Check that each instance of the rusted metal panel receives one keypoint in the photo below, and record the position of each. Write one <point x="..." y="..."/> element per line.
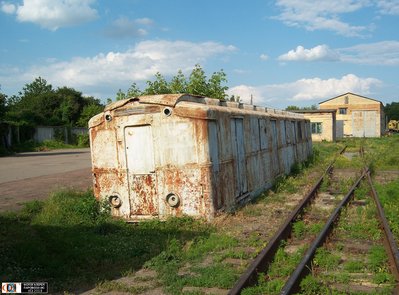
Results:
<point x="169" y="155"/>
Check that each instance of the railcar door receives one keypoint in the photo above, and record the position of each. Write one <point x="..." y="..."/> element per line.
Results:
<point x="141" y="171"/>
<point x="237" y="135"/>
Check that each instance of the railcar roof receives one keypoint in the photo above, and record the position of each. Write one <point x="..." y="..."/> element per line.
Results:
<point x="171" y="100"/>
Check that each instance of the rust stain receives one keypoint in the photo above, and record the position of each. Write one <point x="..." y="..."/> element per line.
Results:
<point x="204" y="183"/>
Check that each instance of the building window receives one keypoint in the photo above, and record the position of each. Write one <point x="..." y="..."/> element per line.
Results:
<point x="346" y="99"/>
<point x="317" y="127"/>
<point x="342" y="111"/>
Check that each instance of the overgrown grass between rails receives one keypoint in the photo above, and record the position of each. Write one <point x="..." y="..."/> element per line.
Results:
<point x="71" y="241"/>
<point x="177" y="255"/>
<point x="389" y="197"/>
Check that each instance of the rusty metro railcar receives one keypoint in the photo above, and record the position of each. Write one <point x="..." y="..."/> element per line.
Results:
<point x="173" y="155"/>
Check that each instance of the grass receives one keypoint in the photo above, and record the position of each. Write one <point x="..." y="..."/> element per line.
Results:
<point x="47" y="145"/>
<point x="71" y="242"/>
<point x="389" y="197"/>
<point x="73" y="230"/>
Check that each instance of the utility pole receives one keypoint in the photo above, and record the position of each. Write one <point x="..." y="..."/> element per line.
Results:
<point x="252" y="100"/>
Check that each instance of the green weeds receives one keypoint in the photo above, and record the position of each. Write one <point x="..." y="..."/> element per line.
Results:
<point x="71" y="241"/>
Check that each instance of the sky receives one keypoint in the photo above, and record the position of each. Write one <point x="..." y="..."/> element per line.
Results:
<point x="283" y="52"/>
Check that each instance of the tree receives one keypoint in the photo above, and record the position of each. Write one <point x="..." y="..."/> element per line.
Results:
<point x="292" y="108"/>
<point x="197" y="84"/>
<point x="133" y="91"/>
<point x="120" y="95"/>
<point x="3" y="100"/>
<point x="39" y="104"/>
<point x="88" y="112"/>
<point x="71" y="105"/>
<point x="37" y="87"/>
<point x="215" y="88"/>
<point x="3" y="126"/>
<point x="34" y="105"/>
<point x="178" y="83"/>
<point x="159" y="86"/>
<point x="391" y="110"/>
<point x="296" y="108"/>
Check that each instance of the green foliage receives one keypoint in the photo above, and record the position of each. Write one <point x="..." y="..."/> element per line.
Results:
<point x="354" y="266"/>
<point x="120" y="95"/>
<point x="39" y="104"/>
<point x="296" y="108"/>
<point x="75" y="231"/>
<point x="196" y="84"/>
<point x="178" y="83"/>
<point x="299" y="229"/>
<point x="88" y="112"/>
<point x="133" y="91"/>
<point x="391" y="110"/>
<point x="326" y="259"/>
<point x="83" y="140"/>
<point x="389" y="196"/>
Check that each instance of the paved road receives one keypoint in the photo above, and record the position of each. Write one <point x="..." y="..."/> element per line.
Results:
<point x="28" y="176"/>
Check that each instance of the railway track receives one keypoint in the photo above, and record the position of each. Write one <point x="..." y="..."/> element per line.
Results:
<point x="302" y="250"/>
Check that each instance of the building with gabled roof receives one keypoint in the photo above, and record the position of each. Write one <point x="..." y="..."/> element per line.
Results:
<point x="356" y="115"/>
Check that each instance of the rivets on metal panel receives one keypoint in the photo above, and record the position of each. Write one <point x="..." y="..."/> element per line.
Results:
<point x="173" y="200"/>
<point x="108" y="117"/>
<point x="115" y="201"/>
<point x="167" y="112"/>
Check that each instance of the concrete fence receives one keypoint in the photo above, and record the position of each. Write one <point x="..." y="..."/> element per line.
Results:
<point x="11" y="135"/>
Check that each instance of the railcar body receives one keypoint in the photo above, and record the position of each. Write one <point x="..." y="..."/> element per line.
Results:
<point x="173" y="155"/>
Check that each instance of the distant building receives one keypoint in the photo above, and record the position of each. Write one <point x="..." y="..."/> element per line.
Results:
<point x="323" y="123"/>
<point x="356" y="115"/>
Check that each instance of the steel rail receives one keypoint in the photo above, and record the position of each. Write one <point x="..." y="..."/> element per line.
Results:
<point x="292" y="285"/>
<point x="265" y="257"/>
<point x="390" y="243"/>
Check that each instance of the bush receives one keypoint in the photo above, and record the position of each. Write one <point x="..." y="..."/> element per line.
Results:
<point x="83" y="140"/>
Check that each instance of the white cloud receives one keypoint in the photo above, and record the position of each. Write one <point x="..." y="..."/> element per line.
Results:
<point x="54" y="14"/>
<point x="320" y="52"/>
<point x="125" y="28"/>
<point x="8" y="8"/>
<point x="264" y="56"/>
<point x="390" y="7"/>
<point x="306" y="91"/>
<point x="380" y="53"/>
<point x="144" y="21"/>
<point x="321" y="15"/>
<point x="113" y="69"/>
